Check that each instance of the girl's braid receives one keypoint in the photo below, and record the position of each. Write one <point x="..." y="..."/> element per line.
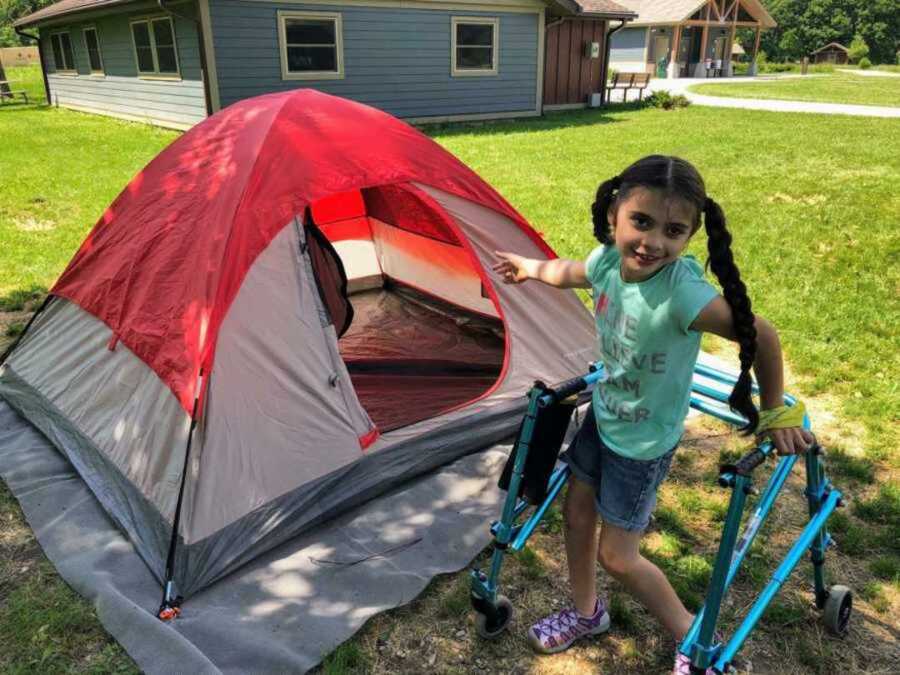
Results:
<point x="606" y="195"/>
<point x="722" y="263"/>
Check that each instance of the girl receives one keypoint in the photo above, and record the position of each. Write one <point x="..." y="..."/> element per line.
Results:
<point x="651" y="305"/>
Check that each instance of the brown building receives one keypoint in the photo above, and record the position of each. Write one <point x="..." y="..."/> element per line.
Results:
<point x="830" y="53"/>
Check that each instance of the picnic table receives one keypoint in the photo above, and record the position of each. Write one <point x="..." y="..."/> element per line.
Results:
<point x="7" y="91"/>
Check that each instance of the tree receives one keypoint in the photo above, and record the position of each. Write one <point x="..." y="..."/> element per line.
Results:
<point x="805" y="25"/>
<point x="10" y="10"/>
<point x="858" y="49"/>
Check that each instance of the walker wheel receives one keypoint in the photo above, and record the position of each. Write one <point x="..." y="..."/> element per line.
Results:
<point x="489" y="626"/>
<point x="838" y="607"/>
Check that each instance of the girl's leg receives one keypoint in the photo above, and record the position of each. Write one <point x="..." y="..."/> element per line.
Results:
<point x="581" y="544"/>
<point x="558" y="631"/>
<point x="619" y="553"/>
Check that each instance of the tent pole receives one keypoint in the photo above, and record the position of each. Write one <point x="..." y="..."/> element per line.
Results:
<point x="171" y="603"/>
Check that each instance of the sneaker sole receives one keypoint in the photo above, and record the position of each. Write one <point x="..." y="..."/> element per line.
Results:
<point x="535" y="643"/>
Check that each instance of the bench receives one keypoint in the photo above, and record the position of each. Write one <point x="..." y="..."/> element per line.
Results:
<point x="628" y="81"/>
<point x="640" y="82"/>
<point x="6" y="92"/>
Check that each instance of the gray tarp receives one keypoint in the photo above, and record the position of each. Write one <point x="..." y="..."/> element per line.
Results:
<point x="284" y="611"/>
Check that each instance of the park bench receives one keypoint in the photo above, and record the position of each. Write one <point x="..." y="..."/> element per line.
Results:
<point x="640" y="82"/>
<point x="7" y="92"/>
<point x="628" y="81"/>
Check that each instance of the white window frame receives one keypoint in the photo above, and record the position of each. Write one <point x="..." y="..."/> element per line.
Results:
<point x="87" y="50"/>
<point x="482" y="21"/>
<point x="155" y="74"/>
<point x="63" y="71"/>
<point x="283" y="17"/>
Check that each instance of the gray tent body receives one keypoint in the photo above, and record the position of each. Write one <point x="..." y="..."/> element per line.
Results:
<point x="277" y="450"/>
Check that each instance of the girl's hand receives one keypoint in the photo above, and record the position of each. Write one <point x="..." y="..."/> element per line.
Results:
<point x="511" y="267"/>
<point x="790" y="441"/>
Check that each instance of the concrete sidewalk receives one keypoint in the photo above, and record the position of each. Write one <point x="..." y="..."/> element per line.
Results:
<point x="682" y="85"/>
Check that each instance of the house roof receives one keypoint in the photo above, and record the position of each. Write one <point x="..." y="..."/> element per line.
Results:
<point x="656" y="12"/>
<point x="832" y="44"/>
<point x="63" y="7"/>
<point x="604" y="8"/>
<point x="595" y="8"/>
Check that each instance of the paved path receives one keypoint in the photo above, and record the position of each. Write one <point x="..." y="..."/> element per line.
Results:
<point x="870" y="73"/>
<point x="680" y="86"/>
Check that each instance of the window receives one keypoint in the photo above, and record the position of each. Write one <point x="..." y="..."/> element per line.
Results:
<point x="311" y="46"/>
<point x="474" y="45"/>
<point x="62" y="52"/>
<point x="154" y="47"/>
<point x="92" y="46"/>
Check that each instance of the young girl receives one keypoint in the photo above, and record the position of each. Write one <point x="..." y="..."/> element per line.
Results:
<point x="651" y="306"/>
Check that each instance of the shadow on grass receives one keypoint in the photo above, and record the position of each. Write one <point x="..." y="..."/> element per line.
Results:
<point x="548" y="122"/>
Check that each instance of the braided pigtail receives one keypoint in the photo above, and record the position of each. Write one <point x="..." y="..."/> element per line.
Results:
<point x="606" y="195"/>
<point x="722" y="263"/>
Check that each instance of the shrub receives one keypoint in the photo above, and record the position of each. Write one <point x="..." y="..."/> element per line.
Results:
<point x="663" y="99"/>
<point x="611" y="73"/>
<point x="858" y="50"/>
<point x="864" y="63"/>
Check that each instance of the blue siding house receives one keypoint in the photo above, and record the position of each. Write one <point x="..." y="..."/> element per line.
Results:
<point x="173" y="62"/>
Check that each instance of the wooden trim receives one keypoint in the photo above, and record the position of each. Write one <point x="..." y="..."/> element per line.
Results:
<point x="676" y="44"/>
<point x="87" y="50"/>
<point x="439" y="119"/>
<point x="703" y="41"/>
<point x="73" y="71"/>
<point x="556" y="107"/>
<point x="719" y="24"/>
<point x="283" y="16"/>
<point x="154" y="74"/>
<point x="542" y="37"/>
<point x="525" y="6"/>
<point x="495" y="46"/>
<point x="181" y="126"/>
<point x="215" y="102"/>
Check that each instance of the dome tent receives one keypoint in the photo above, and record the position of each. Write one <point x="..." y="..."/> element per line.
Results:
<point x="285" y="314"/>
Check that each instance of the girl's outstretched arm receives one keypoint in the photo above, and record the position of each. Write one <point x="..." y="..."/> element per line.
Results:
<point x="768" y="367"/>
<point x="562" y="273"/>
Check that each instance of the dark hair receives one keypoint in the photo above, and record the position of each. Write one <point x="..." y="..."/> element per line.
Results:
<point x="679" y="178"/>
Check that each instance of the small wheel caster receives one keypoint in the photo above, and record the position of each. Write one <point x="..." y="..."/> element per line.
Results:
<point x="837" y="611"/>
<point x="489" y="626"/>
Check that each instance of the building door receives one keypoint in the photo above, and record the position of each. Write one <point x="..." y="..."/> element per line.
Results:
<point x="660" y="55"/>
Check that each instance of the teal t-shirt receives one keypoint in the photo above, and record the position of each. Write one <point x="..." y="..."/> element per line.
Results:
<point x="647" y="349"/>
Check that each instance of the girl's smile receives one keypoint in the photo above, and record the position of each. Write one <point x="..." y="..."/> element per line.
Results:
<point x="651" y="229"/>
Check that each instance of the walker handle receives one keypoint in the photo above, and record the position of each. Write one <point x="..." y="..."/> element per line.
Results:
<point x="746" y="464"/>
<point x="563" y="391"/>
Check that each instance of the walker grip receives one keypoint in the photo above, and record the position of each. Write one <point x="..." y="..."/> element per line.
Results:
<point x="567" y="389"/>
<point x="746" y="464"/>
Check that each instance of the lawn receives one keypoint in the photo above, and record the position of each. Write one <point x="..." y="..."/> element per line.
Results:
<point x="812" y="202"/>
<point x="834" y="88"/>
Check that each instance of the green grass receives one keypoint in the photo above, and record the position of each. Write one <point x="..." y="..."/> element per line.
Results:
<point x="811" y="201"/>
<point x="836" y="88"/>
<point x="63" y="177"/>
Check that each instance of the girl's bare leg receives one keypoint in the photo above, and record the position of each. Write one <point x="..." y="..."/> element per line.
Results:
<point x="581" y="544"/>
<point x="619" y="553"/>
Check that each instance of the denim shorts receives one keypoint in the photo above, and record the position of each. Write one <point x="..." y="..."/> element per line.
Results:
<point x="625" y="488"/>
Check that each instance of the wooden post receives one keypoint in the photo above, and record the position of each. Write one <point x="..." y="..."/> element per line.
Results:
<point x="703" y="45"/>
<point x="4" y="88"/>
<point x="731" y="49"/>
<point x="676" y="43"/>
<point x="755" y="50"/>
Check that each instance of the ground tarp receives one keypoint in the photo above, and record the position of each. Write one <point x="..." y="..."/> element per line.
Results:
<point x="287" y="609"/>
